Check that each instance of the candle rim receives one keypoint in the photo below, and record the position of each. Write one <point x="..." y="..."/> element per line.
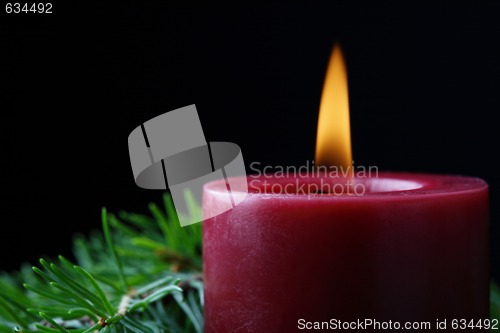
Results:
<point x="418" y="185"/>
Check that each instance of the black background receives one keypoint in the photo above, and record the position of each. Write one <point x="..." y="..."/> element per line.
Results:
<point x="423" y="82"/>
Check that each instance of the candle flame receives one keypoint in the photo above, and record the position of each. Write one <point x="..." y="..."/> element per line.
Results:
<point x="333" y="141"/>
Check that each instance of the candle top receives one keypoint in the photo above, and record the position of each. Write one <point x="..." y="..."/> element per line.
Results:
<point x="385" y="186"/>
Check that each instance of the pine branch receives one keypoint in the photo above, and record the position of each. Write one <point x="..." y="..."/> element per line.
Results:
<point x="142" y="274"/>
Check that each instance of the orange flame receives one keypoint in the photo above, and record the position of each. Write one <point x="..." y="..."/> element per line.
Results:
<point x="333" y="141"/>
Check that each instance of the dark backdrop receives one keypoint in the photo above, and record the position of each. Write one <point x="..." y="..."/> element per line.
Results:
<point x="423" y="82"/>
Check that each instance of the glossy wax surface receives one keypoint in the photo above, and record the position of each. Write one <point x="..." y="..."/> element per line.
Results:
<point x="413" y="247"/>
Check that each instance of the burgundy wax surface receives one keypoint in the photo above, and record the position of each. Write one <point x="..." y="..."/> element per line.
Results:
<point x="416" y="254"/>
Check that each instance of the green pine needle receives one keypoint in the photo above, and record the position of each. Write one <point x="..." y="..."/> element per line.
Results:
<point x="112" y="249"/>
<point x="495" y="301"/>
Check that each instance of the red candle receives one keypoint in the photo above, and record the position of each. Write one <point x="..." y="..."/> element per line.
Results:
<point x="345" y="250"/>
<point x="413" y="247"/>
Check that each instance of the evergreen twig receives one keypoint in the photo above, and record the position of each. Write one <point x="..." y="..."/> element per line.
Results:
<point x="142" y="274"/>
